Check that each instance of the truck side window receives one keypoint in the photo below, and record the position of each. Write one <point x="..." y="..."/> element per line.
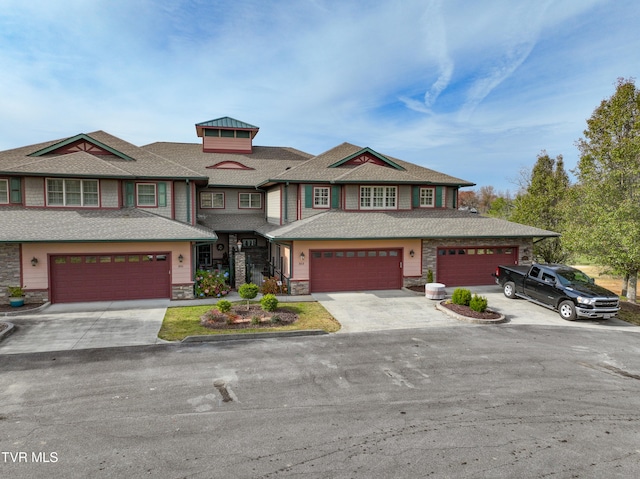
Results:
<point x="535" y="271"/>
<point x="547" y="278"/>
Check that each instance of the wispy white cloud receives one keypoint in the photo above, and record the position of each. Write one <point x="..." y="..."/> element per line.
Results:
<point x="475" y="89"/>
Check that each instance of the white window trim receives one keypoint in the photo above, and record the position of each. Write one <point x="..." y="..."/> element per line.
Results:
<point x="433" y="198"/>
<point x="6" y="182"/>
<point x="64" y="193"/>
<point x="251" y="205"/>
<point x="155" y="195"/>
<point x="327" y="197"/>
<point x="212" y="194"/>
<point x="385" y="196"/>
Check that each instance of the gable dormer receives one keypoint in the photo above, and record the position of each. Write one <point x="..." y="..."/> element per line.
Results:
<point x="364" y="156"/>
<point x="81" y="142"/>
<point x="226" y="135"/>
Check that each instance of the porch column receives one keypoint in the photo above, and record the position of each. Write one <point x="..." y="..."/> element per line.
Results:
<point x="240" y="268"/>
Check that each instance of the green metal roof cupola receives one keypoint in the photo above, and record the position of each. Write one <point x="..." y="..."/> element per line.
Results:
<point x="226" y="135"/>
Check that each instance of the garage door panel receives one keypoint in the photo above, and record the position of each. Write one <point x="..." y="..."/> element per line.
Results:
<point x="355" y="270"/>
<point x="107" y="277"/>
<point x="472" y="266"/>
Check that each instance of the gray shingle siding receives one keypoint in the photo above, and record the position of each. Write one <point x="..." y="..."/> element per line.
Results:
<point x="34" y="191"/>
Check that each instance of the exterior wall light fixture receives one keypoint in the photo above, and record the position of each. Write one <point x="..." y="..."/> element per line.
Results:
<point x="302" y="256"/>
<point x="34" y="261"/>
<point x="181" y="258"/>
<point x="412" y="253"/>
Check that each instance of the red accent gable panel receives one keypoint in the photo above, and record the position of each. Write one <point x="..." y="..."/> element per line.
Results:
<point x="365" y="158"/>
<point x="81" y="145"/>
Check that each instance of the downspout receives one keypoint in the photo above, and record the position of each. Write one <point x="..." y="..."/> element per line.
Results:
<point x="286" y="202"/>
<point x="188" y="202"/>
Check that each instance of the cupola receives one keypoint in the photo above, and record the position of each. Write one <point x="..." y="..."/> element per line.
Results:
<point x="226" y="135"/>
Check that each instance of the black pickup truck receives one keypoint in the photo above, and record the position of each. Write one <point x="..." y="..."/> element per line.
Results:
<point x="562" y="288"/>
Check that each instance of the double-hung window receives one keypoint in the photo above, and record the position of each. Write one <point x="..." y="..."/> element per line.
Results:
<point x="427" y="197"/>
<point x="321" y="197"/>
<point x="65" y="192"/>
<point x="4" y="192"/>
<point x="378" y="197"/>
<point x="209" y="199"/>
<point x="146" y="194"/>
<point x="250" y="200"/>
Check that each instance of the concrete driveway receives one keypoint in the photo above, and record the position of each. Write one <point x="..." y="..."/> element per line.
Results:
<point x="403" y="309"/>
<point x="86" y="325"/>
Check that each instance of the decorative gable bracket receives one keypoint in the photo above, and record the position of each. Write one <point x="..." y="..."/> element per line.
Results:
<point x="81" y="142"/>
<point x="367" y="155"/>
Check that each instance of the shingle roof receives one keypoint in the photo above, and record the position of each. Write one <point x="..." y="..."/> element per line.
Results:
<point x="404" y="224"/>
<point x="231" y="223"/>
<point x="128" y="224"/>
<point x="143" y="163"/>
<point x="265" y="161"/>
<point x="319" y="169"/>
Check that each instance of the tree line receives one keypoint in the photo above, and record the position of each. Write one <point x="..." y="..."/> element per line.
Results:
<point x="598" y="215"/>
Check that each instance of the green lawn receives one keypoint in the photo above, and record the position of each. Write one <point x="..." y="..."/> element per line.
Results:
<point x="181" y="322"/>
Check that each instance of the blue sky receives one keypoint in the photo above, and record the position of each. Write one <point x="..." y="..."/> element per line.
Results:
<point x="475" y="89"/>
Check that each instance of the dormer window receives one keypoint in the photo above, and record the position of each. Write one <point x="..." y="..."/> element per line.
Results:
<point x="67" y="192"/>
<point x="378" y="197"/>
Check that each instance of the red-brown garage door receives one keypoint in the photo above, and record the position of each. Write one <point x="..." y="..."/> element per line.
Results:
<point x="355" y="270"/>
<point x="472" y="266"/>
<point x="109" y="277"/>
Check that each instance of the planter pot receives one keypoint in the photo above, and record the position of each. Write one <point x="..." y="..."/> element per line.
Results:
<point x="16" y="302"/>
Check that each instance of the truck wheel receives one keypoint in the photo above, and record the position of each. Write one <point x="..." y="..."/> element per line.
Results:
<point x="567" y="310"/>
<point x="509" y="289"/>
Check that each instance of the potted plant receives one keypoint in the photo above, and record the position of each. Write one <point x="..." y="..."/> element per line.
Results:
<point x="16" y="296"/>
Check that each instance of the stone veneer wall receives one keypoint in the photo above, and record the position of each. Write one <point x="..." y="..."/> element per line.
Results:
<point x="9" y="269"/>
<point x="299" y="287"/>
<point x="182" y="291"/>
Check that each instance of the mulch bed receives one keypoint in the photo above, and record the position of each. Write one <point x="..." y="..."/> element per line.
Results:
<point x="461" y="310"/>
<point x="470" y="313"/>
<point x="240" y="318"/>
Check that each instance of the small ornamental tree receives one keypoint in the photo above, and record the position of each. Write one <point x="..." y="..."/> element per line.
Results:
<point x="248" y="291"/>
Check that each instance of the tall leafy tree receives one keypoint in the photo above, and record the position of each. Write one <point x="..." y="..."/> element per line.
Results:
<point x="606" y="202"/>
<point x="540" y="205"/>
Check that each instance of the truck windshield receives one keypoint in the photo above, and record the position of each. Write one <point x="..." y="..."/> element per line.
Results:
<point x="572" y="276"/>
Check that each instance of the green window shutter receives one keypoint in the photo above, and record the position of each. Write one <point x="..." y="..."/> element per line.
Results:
<point x="415" y="197"/>
<point x="438" y="196"/>
<point x="308" y="196"/>
<point x="335" y="197"/>
<point x="16" y="190"/>
<point x="162" y="194"/>
<point x="129" y="199"/>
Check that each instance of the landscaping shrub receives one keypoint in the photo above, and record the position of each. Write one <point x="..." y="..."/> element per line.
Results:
<point x="211" y="284"/>
<point x="430" y="276"/>
<point x="271" y="286"/>
<point x="255" y="320"/>
<point x="269" y="302"/>
<point x="478" y="303"/>
<point x="213" y="316"/>
<point x="275" y="319"/>
<point x="223" y="306"/>
<point x="461" y="296"/>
